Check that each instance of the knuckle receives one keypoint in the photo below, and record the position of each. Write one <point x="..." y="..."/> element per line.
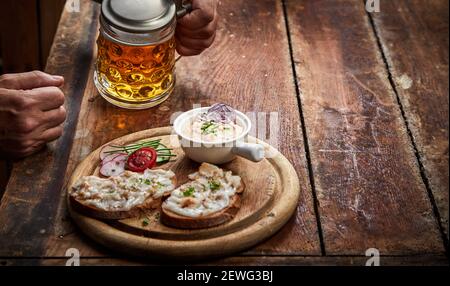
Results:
<point x="3" y="77"/>
<point x="22" y="102"/>
<point x="61" y="115"/>
<point x="31" y="148"/>
<point x="59" y="131"/>
<point x="21" y="144"/>
<point x="24" y="144"/>
<point x="61" y="97"/>
<point x="63" y="112"/>
<point x="38" y="77"/>
<point x="27" y="125"/>
<point x="58" y="95"/>
<point x="7" y="80"/>
<point x="37" y="73"/>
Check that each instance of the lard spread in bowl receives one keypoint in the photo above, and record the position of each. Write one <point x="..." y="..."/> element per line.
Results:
<point x="218" y="124"/>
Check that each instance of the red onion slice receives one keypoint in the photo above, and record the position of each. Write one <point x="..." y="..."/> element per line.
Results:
<point x="220" y="112"/>
<point x="114" y="167"/>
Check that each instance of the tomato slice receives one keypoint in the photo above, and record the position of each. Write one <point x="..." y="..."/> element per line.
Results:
<point x="141" y="159"/>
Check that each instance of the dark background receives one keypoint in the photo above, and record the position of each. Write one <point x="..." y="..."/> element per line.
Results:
<point x="27" y="28"/>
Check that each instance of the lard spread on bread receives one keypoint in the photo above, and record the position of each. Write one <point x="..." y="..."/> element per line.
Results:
<point x="123" y="192"/>
<point x="210" y="190"/>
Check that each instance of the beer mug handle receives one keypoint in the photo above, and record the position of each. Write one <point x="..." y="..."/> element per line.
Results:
<point x="183" y="7"/>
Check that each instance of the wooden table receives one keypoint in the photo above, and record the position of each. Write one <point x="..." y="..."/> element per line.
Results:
<point x="362" y="103"/>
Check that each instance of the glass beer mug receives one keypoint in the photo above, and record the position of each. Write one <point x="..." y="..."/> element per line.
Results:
<point x="135" y="65"/>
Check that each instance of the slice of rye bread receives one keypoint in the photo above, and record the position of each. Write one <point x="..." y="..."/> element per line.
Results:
<point x="172" y="219"/>
<point x="92" y="211"/>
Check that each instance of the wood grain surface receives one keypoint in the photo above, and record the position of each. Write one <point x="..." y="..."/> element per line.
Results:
<point x="356" y="102"/>
<point x="415" y="43"/>
<point x="366" y="176"/>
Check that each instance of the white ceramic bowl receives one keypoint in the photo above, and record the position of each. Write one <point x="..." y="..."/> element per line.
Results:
<point x="217" y="152"/>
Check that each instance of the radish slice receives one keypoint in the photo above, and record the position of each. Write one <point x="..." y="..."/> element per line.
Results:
<point x="104" y="152"/>
<point x="114" y="167"/>
<point x="111" y="157"/>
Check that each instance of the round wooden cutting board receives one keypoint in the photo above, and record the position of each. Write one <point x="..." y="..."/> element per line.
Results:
<point x="269" y="200"/>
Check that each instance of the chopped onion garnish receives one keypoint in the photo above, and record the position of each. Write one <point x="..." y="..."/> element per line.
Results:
<point x="220" y="113"/>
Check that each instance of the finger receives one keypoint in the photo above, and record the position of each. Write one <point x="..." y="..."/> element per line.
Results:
<point x="18" y="154"/>
<point x="30" y="80"/>
<point x="11" y="97"/>
<point x="186" y="51"/>
<point x="203" y="33"/>
<point x="203" y="12"/>
<point x="196" y="44"/>
<point x="54" y="117"/>
<point x="19" y="149"/>
<point x="51" y="134"/>
<point x="36" y="147"/>
<point x="46" y="98"/>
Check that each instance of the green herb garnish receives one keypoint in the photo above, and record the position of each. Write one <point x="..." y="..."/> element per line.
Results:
<point x="189" y="192"/>
<point x="208" y="127"/>
<point x="133" y="147"/>
<point x="145" y="222"/>
<point x="164" y="153"/>
<point x="213" y="185"/>
<point x="147" y="182"/>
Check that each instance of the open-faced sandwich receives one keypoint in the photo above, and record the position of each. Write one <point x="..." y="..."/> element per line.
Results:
<point x="122" y="196"/>
<point x="210" y="198"/>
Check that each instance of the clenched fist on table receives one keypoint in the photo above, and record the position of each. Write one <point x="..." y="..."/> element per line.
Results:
<point x="31" y="112"/>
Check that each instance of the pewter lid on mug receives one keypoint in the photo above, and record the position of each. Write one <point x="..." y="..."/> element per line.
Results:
<point x="138" y="15"/>
<point x="140" y="22"/>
